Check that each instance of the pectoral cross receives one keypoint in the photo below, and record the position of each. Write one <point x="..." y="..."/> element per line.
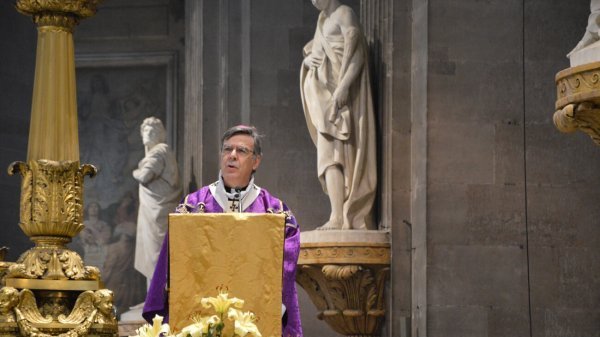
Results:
<point x="235" y="205"/>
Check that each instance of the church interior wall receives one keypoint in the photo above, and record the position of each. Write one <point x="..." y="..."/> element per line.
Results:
<point x="476" y="245"/>
<point x="508" y="253"/>
<point x="399" y="153"/>
<point x="511" y="203"/>
<point x="562" y="177"/>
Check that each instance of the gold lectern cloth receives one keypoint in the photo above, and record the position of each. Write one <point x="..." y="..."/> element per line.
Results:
<point x="241" y="251"/>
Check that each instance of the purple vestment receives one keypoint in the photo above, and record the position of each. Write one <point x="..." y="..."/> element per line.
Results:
<point x="203" y="200"/>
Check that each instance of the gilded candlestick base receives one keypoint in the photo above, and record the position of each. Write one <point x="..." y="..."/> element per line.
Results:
<point x="346" y="282"/>
<point x="92" y="314"/>
<point x="51" y="214"/>
<point x="49" y="291"/>
<point x="52" y="264"/>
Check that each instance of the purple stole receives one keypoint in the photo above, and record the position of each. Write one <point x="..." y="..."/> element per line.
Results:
<point x="203" y="200"/>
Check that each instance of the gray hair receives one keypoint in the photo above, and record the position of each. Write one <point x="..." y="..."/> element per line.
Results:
<point x="244" y="130"/>
<point x="157" y="125"/>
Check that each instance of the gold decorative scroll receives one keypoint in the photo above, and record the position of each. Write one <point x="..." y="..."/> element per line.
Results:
<point x="51" y="197"/>
<point x="584" y="117"/>
<point x="240" y="251"/>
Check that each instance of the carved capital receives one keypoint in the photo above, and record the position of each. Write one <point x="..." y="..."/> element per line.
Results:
<point x="578" y="100"/>
<point x="348" y="295"/>
<point x="57" y="13"/>
<point x="51" y="198"/>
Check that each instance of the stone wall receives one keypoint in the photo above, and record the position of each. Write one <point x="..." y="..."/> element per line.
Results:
<point x="562" y="183"/>
<point x="512" y="215"/>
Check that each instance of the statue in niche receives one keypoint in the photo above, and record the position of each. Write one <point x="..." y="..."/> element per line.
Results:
<point x="592" y="30"/>
<point x="160" y="191"/>
<point x="337" y="102"/>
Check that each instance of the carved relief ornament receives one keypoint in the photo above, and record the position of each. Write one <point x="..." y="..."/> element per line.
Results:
<point x="346" y="282"/>
<point x="578" y="100"/>
<point x="92" y="311"/>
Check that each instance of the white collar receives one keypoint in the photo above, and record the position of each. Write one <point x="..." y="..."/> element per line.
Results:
<point x="247" y="196"/>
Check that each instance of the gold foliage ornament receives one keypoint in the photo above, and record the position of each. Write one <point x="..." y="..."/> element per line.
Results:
<point x="51" y="215"/>
<point x="51" y="196"/>
<point x="19" y="311"/>
<point x="67" y="13"/>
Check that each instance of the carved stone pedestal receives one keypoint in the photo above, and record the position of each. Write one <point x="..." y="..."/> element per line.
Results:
<point x="344" y="274"/>
<point x="578" y="100"/>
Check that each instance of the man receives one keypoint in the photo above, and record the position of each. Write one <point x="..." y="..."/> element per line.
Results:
<point x="336" y="97"/>
<point x="235" y="191"/>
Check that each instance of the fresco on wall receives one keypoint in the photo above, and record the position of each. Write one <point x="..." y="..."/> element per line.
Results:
<point x="112" y="103"/>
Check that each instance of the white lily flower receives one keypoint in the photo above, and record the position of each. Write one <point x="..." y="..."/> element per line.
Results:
<point x="155" y="329"/>
<point x="200" y="326"/>
<point x="243" y="323"/>
<point x="222" y="302"/>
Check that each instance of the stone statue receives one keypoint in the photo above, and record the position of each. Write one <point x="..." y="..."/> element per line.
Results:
<point x="160" y="192"/>
<point x="592" y="35"/>
<point x="336" y="96"/>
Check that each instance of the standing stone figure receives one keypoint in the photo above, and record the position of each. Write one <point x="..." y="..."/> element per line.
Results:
<point x="160" y="191"/>
<point x="592" y="31"/>
<point x="336" y="96"/>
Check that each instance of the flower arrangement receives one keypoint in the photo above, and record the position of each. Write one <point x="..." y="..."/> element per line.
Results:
<point x="209" y="326"/>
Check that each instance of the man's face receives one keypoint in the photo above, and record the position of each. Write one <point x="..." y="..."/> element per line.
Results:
<point x="238" y="160"/>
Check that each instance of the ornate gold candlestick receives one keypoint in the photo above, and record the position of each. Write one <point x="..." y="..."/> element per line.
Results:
<point x="49" y="290"/>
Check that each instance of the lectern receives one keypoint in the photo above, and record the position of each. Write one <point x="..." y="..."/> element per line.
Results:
<point x="241" y="252"/>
